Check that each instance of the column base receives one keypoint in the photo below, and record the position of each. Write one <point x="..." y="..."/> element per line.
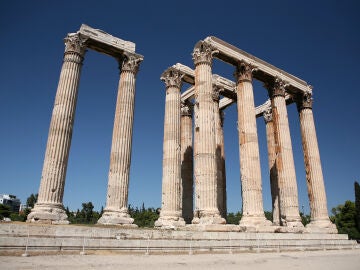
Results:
<point x="48" y="213"/>
<point x="256" y="224"/>
<point x="254" y="221"/>
<point x="290" y="225"/>
<point x="169" y="222"/>
<point x="111" y="217"/>
<point x="208" y="218"/>
<point x="321" y="226"/>
<point x="292" y="222"/>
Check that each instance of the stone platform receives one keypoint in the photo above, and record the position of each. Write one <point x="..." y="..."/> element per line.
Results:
<point x="15" y="237"/>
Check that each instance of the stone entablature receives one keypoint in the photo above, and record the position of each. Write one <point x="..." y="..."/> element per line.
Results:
<point x="227" y="90"/>
<point x="103" y="42"/>
<point x="227" y="86"/>
<point x="265" y="71"/>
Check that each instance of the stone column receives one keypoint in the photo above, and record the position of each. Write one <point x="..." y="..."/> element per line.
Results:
<point x="253" y="211"/>
<point x="205" y="148"/>
<point x="171" y="208"/>
<point x="320" y="221"/>
<point x="270" y="136"/>
<point x="196" y="219"/>
<point x="288" y="194"/>
<point x="116" y="210"/>
<point x="220" y="154"/>
<point x="49" y="207"/>
<point x="187" y="162"/>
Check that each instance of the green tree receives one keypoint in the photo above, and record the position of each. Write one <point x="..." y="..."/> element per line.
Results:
<point x="357" y="204"/>
<point x="31" y="200"/>
<point x="305" y="219"/>
<point x="269" y="215"/>
<point x="344" y="217"/>
<point x="87" y="213"/>
<point x="18" y="216"/>
<point x="232" y="218"/>
<point x="71" y="216"/>
<point x="144" y="217"/>
<point x="4" y="211"/>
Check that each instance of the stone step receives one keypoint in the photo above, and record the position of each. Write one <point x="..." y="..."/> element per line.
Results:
<point x="70" y="237"/>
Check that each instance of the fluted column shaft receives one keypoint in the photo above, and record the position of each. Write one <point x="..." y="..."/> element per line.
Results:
<point x="270" y="138"/>
<point x="220" y="155"/>
<point x="171" y="208"/>
<point x="314" y="176"/>
<point x="288" y="194"/>
<point x="196" y="186"/>
<point x="253" y="211"/>
<point x="49" y="207"/>
<point x="116" y="210"/>
<point x="187" y="163"/>
<point x="205" y="152"/>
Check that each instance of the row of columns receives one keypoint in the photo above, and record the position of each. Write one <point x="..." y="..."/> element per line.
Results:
<point x="209" y="159"/>
<point x="208" y="169"/>
<point x="49" y="207"/>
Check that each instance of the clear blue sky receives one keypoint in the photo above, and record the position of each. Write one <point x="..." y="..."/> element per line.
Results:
<point x="318" y="41"/>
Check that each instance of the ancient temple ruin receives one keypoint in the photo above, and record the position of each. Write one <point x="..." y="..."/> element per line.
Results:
<point x="194" y="178"/>
<point x="49" y="207"/>
<point x="200" y="161"/>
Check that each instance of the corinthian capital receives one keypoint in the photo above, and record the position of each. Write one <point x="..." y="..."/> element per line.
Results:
<point x="268" y="115"/>
<point x="203" y="53"/>
<point x="244" y="71"/>
<point x="130" y="62"/>
<point x="172" y="78"/>
<point x="216" y="93"/>
<point x="276" y="88"/>
<point x="186" y="109"/>
<point x="75" y="43"/>
<point x="304" y="101"/>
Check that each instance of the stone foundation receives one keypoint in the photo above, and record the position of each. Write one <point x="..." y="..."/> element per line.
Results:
<point x="208" y="238"/>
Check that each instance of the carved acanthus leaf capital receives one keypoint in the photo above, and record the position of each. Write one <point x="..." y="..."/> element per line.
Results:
<point x="203" y="53"/>
<point x="130" y="62"/>
<point x="304" y="101"/>
<point x="216" y="93"/>
<point x="244" y="71"/>
<point x="75" y="43"/>
<point x="186" y="109"/>
<point x="268" y="115"/>
<point x="172" y="78"/>
<point x="276" y="88"/>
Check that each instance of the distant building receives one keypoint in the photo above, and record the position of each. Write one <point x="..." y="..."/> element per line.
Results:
<point x="11" y="201"/>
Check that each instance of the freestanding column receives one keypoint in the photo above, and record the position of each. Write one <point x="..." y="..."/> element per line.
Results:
<point x="220" y="154"/>
<point x="49" y="207"/>
<point x="116" y="210"/>
<point x="187" y="162"/>
<point x="270" y="136"/>
<point x="315" y="181"/>
<point x="288" y="195"/>
<point x="171" y="211"/>
<point x="253" y="211"/>
<point x="205" y="150"/>
<point x="196" y="218"/>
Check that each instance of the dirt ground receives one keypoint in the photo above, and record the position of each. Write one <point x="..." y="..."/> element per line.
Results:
<point x="335" y="259"/>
